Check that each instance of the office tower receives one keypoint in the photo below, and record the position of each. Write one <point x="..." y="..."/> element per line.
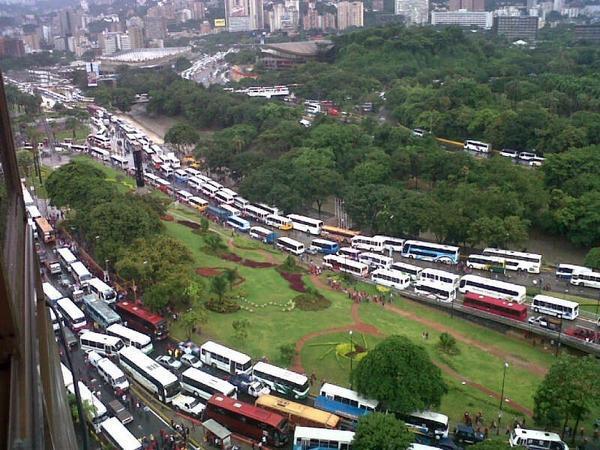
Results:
<point x="244" y="15"/>
<point x="349" y="14"/>
<point x="155" y="27"/>
<point x="514" y="28"/>
<point x="414" y="11"/>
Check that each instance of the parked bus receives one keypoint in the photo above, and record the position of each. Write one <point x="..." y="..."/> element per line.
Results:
<point x="428" y="423"/>
<point x="99" y="140"/>
<point x="45" y="230"/>
<point x="477" y="146"/>
<point x="391" y="244"/>
<point x="51" y="293"/>
<point x="238" y="223"/>
<point x="198" y="203"/>
<point x="143" y="320"/>
<point x="218" y="213"/>
<point x="181" y="175"/>
<point x="413" y="271"/>
<point x="349" y="252"/>
<point x="99" y="311"/>
<point x="343" y="264"/>
<point x="204" y="385"/>
<point x="324" y="246"/>
<point x="247" y="420"/>
<point x="225" y="197"/>
<point x="270" y="209"/>
<point x="184" y="196"/>
<point x="131" y="337"/>
<point x="555" y="307"/>
<point x="280" y="222"/>
<point x="166" y="170"/>
<point x="536" y="440"/>
<point x="99" y="153"/>
<point x="565" y="271"/>
<point x="152" y="376"/>
<point x="119" y="161"/>
<point x="209" y="190"/>
<point x="298" y="414"/>
<point x="391" y="278"/>
<point x="309" y="438"/>
<point x="56" y="321"/>
<point x="102" y="290"/>
<point x="341" y="233"/>
<point x="195" y="183"/>
<point x="486" y="262"/>
<point x="428" y="251"/>
<point x="151" y="178"/>
<point x="440" y="275"/>
<point x="33" y="212"/>
<point x="492" y="288"/>
<point x="496" y="306"/>
<point x="257" y="214"/>
<point x="434" y="289"/>
<point x="345" y="403"/>
<point x="66" y="257"/>
<point x="73" y="316"/>
<point x="368" y="243"/>
<point x="306" y="224"/>
<point x="27" y="197"/>
<point x="66" y="374"/>
<point x="290" y="245"/>
<point x="231" y="209"/>
<point x="95" y="411"/>
<point x="586" y="278"/>
<point x="118" y="436"/>
<point x="375" y="260"/>
<point x="263" y="234"/>
<point x="164" y="186"/>
<point x="288" y="383"/>
<point x="223" y="358"/>
<point x="530" y="262"/>
<point x="240" y="202"/>
<point x="80" y="273"/>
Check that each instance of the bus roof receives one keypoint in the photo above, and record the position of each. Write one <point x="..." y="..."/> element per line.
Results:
<point x="432" y="245"/>
<point x="99" y="337"/>
<point x="346" y="261"/>
<point x="287" y="407"/>
<point x="431" y="415"/>
<point x="79" y="268"/>
<point x="120" y="434"/>
<point x="556" y="301"/>
<point x="491" y="282"/>
<point x="262" y="230"/>
<point x="509" y="253"/>
<point x="66" y="374"/>
<point x="122" y="330"/>
<point x="143" y="361"/>
<point x="140" y="311"/>
<point x="70" y="308"/>
<point x="323" y="434"/>
<point x="43" y="224"/>
<point x="496" y="301"/>
<point x="99" y="284"/>
<point x="333" y="389"/>
<point x="210" y="380"/>
<point x="51" y="292"/>
<point x="66" y="254"/>
<point x="294" y="377"/>
<point x="246" y="409"/>
<point x="236" y="356"/>
<point x="439" y="272"/>
<point x="536" y="434"/>
<point x="340" y="231"/>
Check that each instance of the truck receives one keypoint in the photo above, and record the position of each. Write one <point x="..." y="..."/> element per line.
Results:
<point x="219" y="213"/>
<point x="247" y="384"/>
<point x="188" y="405"/>
<point x="53" y="267"/>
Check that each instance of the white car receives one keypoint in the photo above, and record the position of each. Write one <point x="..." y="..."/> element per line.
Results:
<point x="527" y="156"/>
<point x="169" y="362"/>
<point x="191" y="361"/>
<point x="508" y="153"/>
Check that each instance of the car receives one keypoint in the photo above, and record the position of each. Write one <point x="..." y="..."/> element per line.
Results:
<point x="508" y="153"/>
<point x="311" y="250"/>
<point x="465" y="434"/>
<point x="64" y="281"/>
<point x="535" y="320"/>
<point x="168" y="362"/>
<point x="527" y="156"/>
<point x="190" y="360"/>
<point x="419" y="132"/>
<point x="120" y="412"/>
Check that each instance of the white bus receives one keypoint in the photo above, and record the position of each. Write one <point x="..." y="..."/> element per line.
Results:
<point x="391" y="243"/>
<point x="285" y="382"/>
<point x="440" y="275"/>
<point x="238" y="223"/>
<point x="55" y="320"/>
<point x="131" y="337"/>
<point x="586" y="278"/>
<point x="80" y="273"/>
<point x="270" y="209"/>
<point x="530" y="262"/>
<point x="344" y="264"/>
<point x="347" y="397"/>
<point x="368" y="243"/>
<point x="151" y="178"/>
<point x="223" y="358"/>
<point x="72" y="315"/>
<point x="204" y="385"/>
<point x="240" y="202"/>
<point x="306" y="224"/>
<point x="280" y="222"/>
<point x="565" y="271"/>
<point x="428" y="423"/>
<point x="198" y="203"/>
<point x="306" y="438"/>
<point x="225" y="197"/>
<point x="96" y="413"/>
<point x="290" y="245"/>
<point x="391" y="278"/>
<point x="477" y="146"/>
<point x="555" y="307"/>
<point x="428" y="251"/>
<point x="103" y="344"/>
<point x="436" y="290"/>
<point x="209" y="190"/>
<point x="231" y="209"/>
<point x="154" y="377"/>
<point x="181" y="175"/>
<point x="99" y="153"/>
<point x="195" y="183"/>
<point x="67" y="375"/>
<point x="66" y="257"/>
<point x="375" y="260"/>
<point x="213" y="183"/>
<point x="109" y="371"/>
<point x="51" y="293"/>
<point x="260" y="215"/>
<point x="27" y="198"/>
<point x="493" y="288"/>
<point x="102" y="290"/>
<point x="166" y="170"/>
<point x="118" y="436"/>
<point x="409" y="269"/>
<point x="263" y="234"/>
<point x="184" y="196"/>
<point x="192" y="172"/>
<point x="349" y="252"/>
<point x="538" y="440"/>
<point x="33" y="212"/>
<point x="486" y="262"/>
<point x="119" y="161"/>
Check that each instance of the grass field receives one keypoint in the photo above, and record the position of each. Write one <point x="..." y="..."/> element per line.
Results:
<point x="81" y="133"/>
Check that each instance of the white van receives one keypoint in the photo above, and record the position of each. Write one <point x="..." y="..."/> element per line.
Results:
<point x="109" y="371"/>
<point x="535" y="439"/>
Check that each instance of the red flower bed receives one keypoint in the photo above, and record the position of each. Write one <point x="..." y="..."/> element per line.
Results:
<point x="189" y="224"/>
<point x="257" y="264"/>
<point x="294" y="280"/>
<point x="231" y="257"/>
<point x="208" y="271"/>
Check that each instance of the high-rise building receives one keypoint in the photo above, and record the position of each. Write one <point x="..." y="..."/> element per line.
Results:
<point x="350" y="14"/>
<point x="414" y="11"/>
<point x="463" y="18"/>
<point x="70" y="22"/>
<point x="244" y="15"/>
<point x="11" y="47"/>
<point x="136" y="36"/>
<point x="283" y="16"/>
<point x="155" y="27"/>
<point x="587" y="33"/>
<point x="469" y="5"/>
<point x="514" y="28"/>
<point x="197" y="10"/>
<point x="31" y="42"/>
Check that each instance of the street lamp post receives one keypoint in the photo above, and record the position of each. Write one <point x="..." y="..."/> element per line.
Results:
<point x="559" y="317"/>
<point x="106" y="275"/>
<point x="501" y="398"/>
<point x="351" y="356"/>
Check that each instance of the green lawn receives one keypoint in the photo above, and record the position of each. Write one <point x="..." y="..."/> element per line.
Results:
<point x="81" y="133"/>
<point x="123" y="182"/>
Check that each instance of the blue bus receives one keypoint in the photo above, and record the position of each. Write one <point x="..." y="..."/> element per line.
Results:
<point x="99" y="311"/>
<point x="238" y="223"/>
<point x="324" y="246"/>
<point x="428" y="251"/>
<point x="219" y="213"/>
<point x="348" y="414"/>
<point x="263" y="234"/>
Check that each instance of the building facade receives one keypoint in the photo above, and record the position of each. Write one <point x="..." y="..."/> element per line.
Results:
<point x="588" y="33"/>
<point x="350" y="14"/>
<point x="469" y="5"/>
<point x="414" y="11"/>
<point x="244" y="15"/>
<point x="515" y="28"/>
<point x="463" y="18"/>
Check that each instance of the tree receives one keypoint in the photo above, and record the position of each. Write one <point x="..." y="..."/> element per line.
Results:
<point x="240" y="329"/>
<point x="191" y="318"/>
<point x="379" y="431"/>
<point x="492" y="444"/>
<point x="287" y="353"/>
<point x="215" y="243"/>
<point x="182" y="135"/>
<point x="400" y="375"/>
<point x="218" y="286"/>
<point x="447" y="344"/>
<point x="182" y="63"/>
<point x="25" y="161"/>
<point x="570" y="390"/>
<point x="170" y="291"/>
<point x="231" y="275"/>
<point x="592" y="259"/>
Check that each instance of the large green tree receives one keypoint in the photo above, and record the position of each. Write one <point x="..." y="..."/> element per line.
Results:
<point x="379" y="431"/>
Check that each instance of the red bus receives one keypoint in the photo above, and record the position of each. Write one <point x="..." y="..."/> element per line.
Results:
<point x="497" y="306"/>
<point x="143" y="320"/>
<point x="248" y="420"/>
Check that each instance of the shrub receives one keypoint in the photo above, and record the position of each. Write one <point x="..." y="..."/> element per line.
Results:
<point x="287" y="353"/>
<point x="447" y="344"/>
<point x="226" y="306"/>
<point x="311" y="302"/>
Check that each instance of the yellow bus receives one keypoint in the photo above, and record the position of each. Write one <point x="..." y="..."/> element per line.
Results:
<point x="298" y="414"/>
<point x="342" y="232"/>
<point x="44" y="229"/>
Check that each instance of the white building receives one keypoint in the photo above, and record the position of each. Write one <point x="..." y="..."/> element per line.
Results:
<point x="415" y="11"/>
<point x="463" y="18"/>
